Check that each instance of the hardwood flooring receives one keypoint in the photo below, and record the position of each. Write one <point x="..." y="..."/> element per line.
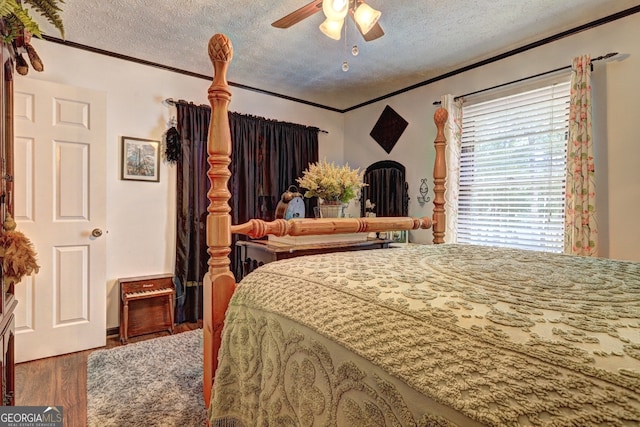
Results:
<point x="62" y="380"/>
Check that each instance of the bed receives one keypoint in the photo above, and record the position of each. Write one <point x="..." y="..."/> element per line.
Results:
<point x="423" y="335"/>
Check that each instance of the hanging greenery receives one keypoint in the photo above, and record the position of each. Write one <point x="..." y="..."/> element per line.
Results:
<point x="16" y="18"/>
<point x="17" y="27"/>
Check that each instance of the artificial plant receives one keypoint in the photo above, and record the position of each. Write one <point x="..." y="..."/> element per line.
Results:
<point x="16" y="18"/>
<point x="17" y="26"/>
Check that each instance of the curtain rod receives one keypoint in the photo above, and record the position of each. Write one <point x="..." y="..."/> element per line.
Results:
<point x="599" y="58"/>
<point x="170" y="101"/>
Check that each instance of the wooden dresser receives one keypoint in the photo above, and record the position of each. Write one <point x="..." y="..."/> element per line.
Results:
<point x="146" y="305"/>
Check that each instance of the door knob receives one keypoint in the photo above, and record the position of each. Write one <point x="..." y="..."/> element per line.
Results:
<point x="96" y="232"/>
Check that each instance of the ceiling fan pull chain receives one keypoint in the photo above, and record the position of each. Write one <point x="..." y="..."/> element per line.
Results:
<point x="345" y="64"/>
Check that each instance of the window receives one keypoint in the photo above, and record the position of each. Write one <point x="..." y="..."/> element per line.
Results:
<point x="512" y="170"/>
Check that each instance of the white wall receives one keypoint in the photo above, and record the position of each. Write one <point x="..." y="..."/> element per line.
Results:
<point x="616" y="112"/>
<point x="141" y="215"/>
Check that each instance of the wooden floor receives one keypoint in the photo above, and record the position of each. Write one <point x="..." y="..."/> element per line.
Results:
<point x="62" y="380"/>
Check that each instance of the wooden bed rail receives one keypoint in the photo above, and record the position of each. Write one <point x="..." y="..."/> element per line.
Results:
<point x="257" y="228"/>
<point x="219" y="283"/>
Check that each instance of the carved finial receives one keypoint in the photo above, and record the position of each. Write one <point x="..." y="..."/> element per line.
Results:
<point x="220" y="52"/>
<point x="220" y="48"/>
<point x="440" y="116"/>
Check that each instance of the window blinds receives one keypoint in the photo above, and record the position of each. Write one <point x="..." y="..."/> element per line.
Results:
<point x="512" y="171"/>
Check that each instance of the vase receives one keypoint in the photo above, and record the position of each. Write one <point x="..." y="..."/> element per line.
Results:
<point x="329" y="210"/>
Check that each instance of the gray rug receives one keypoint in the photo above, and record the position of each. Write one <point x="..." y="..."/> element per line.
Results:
<point x="157" y="382"/>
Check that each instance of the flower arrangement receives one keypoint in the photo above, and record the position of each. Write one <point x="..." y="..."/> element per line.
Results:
<point x="331" y="183"/>
<point x="17" y="255"/>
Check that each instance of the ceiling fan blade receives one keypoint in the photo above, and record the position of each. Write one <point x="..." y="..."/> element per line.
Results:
<point x="374" y="33"/>
<point x="298" y="15"/>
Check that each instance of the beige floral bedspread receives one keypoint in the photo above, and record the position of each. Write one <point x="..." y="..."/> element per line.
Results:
<point x="433" y="336"/>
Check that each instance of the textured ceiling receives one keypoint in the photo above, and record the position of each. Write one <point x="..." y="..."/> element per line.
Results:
<point x="423" y="39"/>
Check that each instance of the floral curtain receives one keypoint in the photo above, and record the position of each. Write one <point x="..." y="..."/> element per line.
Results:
<point x="453" y="133"/>
<point x="581" y="231"/>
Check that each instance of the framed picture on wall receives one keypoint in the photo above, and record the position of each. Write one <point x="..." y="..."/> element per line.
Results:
<point x="140" y="159"/>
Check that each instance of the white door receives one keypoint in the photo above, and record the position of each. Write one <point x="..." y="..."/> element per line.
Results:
<point x="60" y="194"/>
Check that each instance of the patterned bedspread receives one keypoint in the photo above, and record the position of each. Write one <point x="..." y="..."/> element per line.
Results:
<point x="432" y="336"/>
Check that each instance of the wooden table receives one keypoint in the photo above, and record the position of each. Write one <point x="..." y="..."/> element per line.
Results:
<point x="254" y="253"/>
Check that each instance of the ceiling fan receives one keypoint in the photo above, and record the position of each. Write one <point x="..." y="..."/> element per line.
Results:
<point x="365" y="17"/>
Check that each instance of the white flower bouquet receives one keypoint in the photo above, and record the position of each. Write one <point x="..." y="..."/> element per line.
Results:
<point x="330" y="182"/>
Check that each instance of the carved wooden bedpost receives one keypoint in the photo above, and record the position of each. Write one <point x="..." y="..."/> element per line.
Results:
<point x="439" y="176"/>
<point x="219" y="282"/>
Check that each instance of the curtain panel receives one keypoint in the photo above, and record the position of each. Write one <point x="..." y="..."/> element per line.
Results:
<point x="267" y="157"/>
<point x="453" y="134"/>
<point x="192" y="184"/>
<point x="581" y="230"/>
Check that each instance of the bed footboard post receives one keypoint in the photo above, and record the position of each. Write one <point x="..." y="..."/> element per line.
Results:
<point x="219" y="282"/>
<point x="439" y="176"/>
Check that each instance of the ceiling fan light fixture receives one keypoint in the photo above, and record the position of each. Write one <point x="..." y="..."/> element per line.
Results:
<point x="335" y="9"/>
<point x="366" y="17"/>
<point x="332" y="28"/>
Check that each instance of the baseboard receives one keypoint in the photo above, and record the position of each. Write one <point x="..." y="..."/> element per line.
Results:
<point x="113" y="331"/>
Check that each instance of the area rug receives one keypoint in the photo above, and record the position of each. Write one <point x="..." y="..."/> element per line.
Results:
<point x="157" y="382"/>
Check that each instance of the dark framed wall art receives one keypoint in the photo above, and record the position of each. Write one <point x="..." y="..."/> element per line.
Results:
<point x="140" y="159"/>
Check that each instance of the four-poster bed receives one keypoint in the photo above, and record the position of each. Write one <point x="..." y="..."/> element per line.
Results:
<point x="420" y="335"/>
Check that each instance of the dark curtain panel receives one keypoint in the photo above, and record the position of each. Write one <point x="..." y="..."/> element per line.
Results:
<point x="192" y="202"/>
<point x="267" y="157"/>
<point x="387" y="189"/>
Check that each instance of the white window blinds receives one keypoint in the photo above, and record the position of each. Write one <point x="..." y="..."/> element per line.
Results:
<point x="512" y="170"/>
